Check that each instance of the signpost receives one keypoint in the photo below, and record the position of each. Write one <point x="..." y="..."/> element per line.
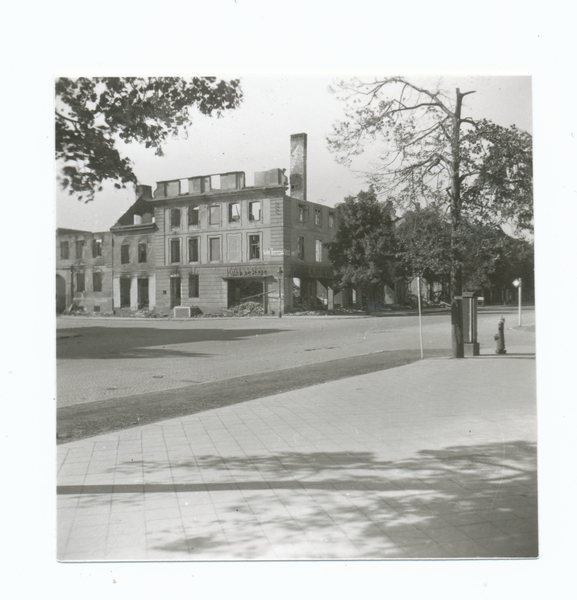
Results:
<point x="518" y="283"/>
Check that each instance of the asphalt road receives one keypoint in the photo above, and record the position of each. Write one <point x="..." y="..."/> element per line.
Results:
<point x="113" y="373"/>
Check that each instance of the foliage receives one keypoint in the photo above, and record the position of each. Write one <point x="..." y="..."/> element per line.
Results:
<point x="426" y="148"/>
<point x="363" y="251"/>
<point x="489" y="257"/>
<point x="92" y="114"/>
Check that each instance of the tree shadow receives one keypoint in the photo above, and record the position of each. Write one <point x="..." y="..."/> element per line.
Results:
<point x="462" y="501"/>
<point x="142" y="342"/>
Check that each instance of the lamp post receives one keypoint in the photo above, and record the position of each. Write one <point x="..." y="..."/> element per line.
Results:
<point x="280" y="292"/>
<point x="518" y="283"/>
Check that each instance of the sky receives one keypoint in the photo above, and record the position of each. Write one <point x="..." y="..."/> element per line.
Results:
<point x="256" y="137"/>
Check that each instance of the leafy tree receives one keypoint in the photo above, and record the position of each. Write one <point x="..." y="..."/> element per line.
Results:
<point x="362" y="253"/>
<point x="432" y="155"/>
<point x="92" y="114"/>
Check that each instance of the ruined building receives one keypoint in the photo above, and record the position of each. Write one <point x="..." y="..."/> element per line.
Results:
<point x="205" y="244"/>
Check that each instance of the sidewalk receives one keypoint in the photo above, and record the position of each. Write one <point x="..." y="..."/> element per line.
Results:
<point x="435" y="459"/>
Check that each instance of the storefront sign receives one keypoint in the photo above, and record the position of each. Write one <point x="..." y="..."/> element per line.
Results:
<point x="250" y="271"/>
<point x="311" y="272"/>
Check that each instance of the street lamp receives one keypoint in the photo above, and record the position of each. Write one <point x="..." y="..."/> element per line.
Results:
<point x="280" y="292"/>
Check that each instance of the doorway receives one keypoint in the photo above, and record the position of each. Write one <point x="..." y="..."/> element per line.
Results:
<point x="125" y="292"/>
<point x="241" y="291"/>
<point x="60" y="294"/>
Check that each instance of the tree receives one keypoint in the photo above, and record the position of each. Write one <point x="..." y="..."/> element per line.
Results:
<point x="362" y="253"/>
<point x="434" y="156"/>
<point x="92" y="114"/>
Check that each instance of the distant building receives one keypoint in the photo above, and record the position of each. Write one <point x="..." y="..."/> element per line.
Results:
<point x="207" y="243"/>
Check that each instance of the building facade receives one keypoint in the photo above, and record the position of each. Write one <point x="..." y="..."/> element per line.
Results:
<point x="208" y="243"/>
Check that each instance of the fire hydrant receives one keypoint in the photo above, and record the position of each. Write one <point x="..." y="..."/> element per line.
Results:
<point x="500" y="337"/>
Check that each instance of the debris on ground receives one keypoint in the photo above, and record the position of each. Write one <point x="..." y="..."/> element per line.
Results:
<point x="245" y="309"/>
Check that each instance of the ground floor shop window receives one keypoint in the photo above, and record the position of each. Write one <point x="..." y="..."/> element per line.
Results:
<point x="125" y="292"/>
<point x="143" y="293"/>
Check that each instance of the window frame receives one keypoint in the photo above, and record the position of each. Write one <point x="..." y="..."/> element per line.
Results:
<point x="318" y="246"/>
<point x="318" y="217"/>
<point x="258" y="246"/>
<point x="332" y="219"/>
<point x="80" y="244"/>
<point x="80" y="274"/>
<point x="64" y="244"/>
<point x="210" y="214"/>
<point x="125" y="250"/>
<point x="197" y="240"/>
<point x="173" y="213"/>
<point x="301" y="247"/>
<point x="193" y="210"/>
<point x="235" y="218"/>
<point x="210" y="257"/>
<point x="251" y="217"/>
<point x="142" y="245"/>
<point x="194" y="277"/>
<point x="96" y="276"/>
<point x="96" y="247"/>
<point x="172" y="244"/>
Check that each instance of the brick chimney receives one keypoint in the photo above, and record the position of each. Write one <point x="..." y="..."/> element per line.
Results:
<point x="298" y="166"/>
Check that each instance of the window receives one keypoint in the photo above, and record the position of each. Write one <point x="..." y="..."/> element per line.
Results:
<point x="214" y="249"/>
<point x="254" y="247"/>
<point x="254" y="211"/>
<point x="193" y="216"/>
<point x="193" y="250"/>
<point x="175" y="251"/>
<point x="175" y="217"/>
<point x="234" y="212"/>
<point x="318" y="221"/>
<point x="142" y="253"/>
<point x="301" y="248"/>
<point x="215" y="214"/>
<point x="96" y="281"/>
<point x="193" y="286"/>
<point x="64" y="251"/>
<point x="79" y="249"/>
<point x="96" y="248"/>
<point x="331" y="220"/>
<point x="80" y="286"/>
<point x="318" y="251"/>
<point x="303" y="213"/>
<point x="125" y="254"/>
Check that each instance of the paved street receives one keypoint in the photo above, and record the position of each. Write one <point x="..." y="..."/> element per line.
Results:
<point x="432" y="459"/>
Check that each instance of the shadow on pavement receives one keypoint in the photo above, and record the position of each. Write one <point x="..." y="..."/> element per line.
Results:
<point x="457" y="502"/>
<point x="141" y="342"/>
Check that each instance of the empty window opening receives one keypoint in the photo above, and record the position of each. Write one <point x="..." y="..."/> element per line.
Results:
<point x="64" y="251"/>
<point x="175" y="251"/>
<point x="142" y="253"/>
<point x="214" y="249"/>
<point x="193" y="215"/>
<point x="254" y="211"/>
<point x="124" y="254"/>
<point x="137" y="219"/>
<point x="331" y="220"/>
<point x="193" y="250"/>
<point x="318" y="221"/>
<point x="254" y="247"/>
<point x="79" y="249"/>
<point x="215" y="214"/>
<point x="301" y="247"/>
<point x="215" y="182"/>
<point x="96" y="247"/>
<point x="175" y="217"/>
<point x="193" y="286"/>
<point x="184" y="189"/>
<point x="96" y="281"/>
<point x="318" y="251"/>
<point x="125" y="292"/>
<point x="80" y="285"/>
<point x="234" y="212"/>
